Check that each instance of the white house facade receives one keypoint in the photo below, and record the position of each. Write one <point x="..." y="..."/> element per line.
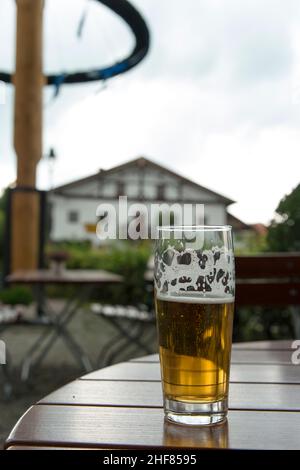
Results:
<point x="74" y="205"/>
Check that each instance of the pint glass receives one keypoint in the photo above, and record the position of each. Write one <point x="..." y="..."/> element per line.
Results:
<point x="194" y="300"/>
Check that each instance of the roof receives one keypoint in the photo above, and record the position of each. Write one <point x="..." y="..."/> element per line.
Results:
<point x="141" y="162"/>
<point x="260" y="229"/>
<point x="236" y="223"/>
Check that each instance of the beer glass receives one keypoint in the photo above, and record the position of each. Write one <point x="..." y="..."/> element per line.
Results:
<point x="194" y="301"/>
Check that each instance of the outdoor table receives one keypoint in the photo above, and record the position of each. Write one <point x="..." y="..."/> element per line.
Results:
<point x="56" y="321"/>
<point x="121" y="407"/>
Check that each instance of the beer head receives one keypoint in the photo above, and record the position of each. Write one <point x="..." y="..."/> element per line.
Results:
<point x="194" y="273"/>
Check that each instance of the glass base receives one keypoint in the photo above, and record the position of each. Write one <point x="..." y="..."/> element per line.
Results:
<point x="196" y="414"/>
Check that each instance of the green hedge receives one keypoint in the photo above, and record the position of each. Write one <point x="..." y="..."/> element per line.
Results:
<point x="2" y="225"/>
<point x="16" y="295"/>
<point x="127" y="259"/>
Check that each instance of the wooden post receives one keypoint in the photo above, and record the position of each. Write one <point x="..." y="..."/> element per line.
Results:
<point x="28" y="82"/>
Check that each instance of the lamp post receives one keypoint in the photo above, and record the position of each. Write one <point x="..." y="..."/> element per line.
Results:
<point x="51" y="161"/>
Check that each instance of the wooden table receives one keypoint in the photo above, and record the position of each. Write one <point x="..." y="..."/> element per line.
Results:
<point x="67" y="276"/>
<point x="121" y="407"/>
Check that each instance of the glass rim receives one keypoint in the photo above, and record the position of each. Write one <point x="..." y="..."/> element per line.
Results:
<point x="194" y="228"/>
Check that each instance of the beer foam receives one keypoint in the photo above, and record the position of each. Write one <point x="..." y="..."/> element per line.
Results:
<point x="208" y="274"/>
<point x="194" y="299"/>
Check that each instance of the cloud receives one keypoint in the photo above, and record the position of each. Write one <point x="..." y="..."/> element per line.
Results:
<point x="216" y="98"/>
<point x="253" y="165"/>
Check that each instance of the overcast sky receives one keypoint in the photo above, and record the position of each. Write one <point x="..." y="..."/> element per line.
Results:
<point x="217" y="99"/>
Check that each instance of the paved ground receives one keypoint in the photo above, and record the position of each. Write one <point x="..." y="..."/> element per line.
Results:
<point x="58" y="368"/>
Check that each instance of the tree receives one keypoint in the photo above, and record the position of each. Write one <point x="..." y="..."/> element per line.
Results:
<point x="284" y="231"/>
<point x="2" y="221"/>
<point x="3" y="199"/>
<point x="3" y="202"/>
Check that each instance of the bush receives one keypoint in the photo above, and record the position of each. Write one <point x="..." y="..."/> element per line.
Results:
<point x="16" y="295"/>
<point x="262" y="323"/>
<point x="2" y="221"/>
<point x="128" y="259"/>
<point x="3" y="203"/>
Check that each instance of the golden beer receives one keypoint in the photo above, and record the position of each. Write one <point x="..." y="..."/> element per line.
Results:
<point x="195" y="345"/>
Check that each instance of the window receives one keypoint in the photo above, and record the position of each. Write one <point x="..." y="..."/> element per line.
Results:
<point x="161" y="192"/>
<point x="166" y="219"/>
<point x="73" y="216"/>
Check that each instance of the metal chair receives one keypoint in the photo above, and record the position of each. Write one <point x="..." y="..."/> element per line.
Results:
<point x="131" y="324"/>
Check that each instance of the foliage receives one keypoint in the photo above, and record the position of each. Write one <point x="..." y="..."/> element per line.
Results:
<point x="284" y="232"/>
<point x="16" y="295"/>
<point x="2" y="222"/>
<point x="249" y="244"/>
<point x="3" y="199"/>
<point x="258" y="323"/>
<point x="128" y="259"/>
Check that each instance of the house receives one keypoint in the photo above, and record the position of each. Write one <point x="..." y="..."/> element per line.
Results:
<point x="238" y="225"/>
<point x="74" y="205"/>
<point x="248" y="238"/>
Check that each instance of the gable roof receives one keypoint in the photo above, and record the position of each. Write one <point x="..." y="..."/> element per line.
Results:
<point x="237" y="224"/>
<point x="140" y="162"/>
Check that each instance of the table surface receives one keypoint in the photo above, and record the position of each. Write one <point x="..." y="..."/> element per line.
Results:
<point x="67" y="276"/>
<point x="121" y="407"/>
